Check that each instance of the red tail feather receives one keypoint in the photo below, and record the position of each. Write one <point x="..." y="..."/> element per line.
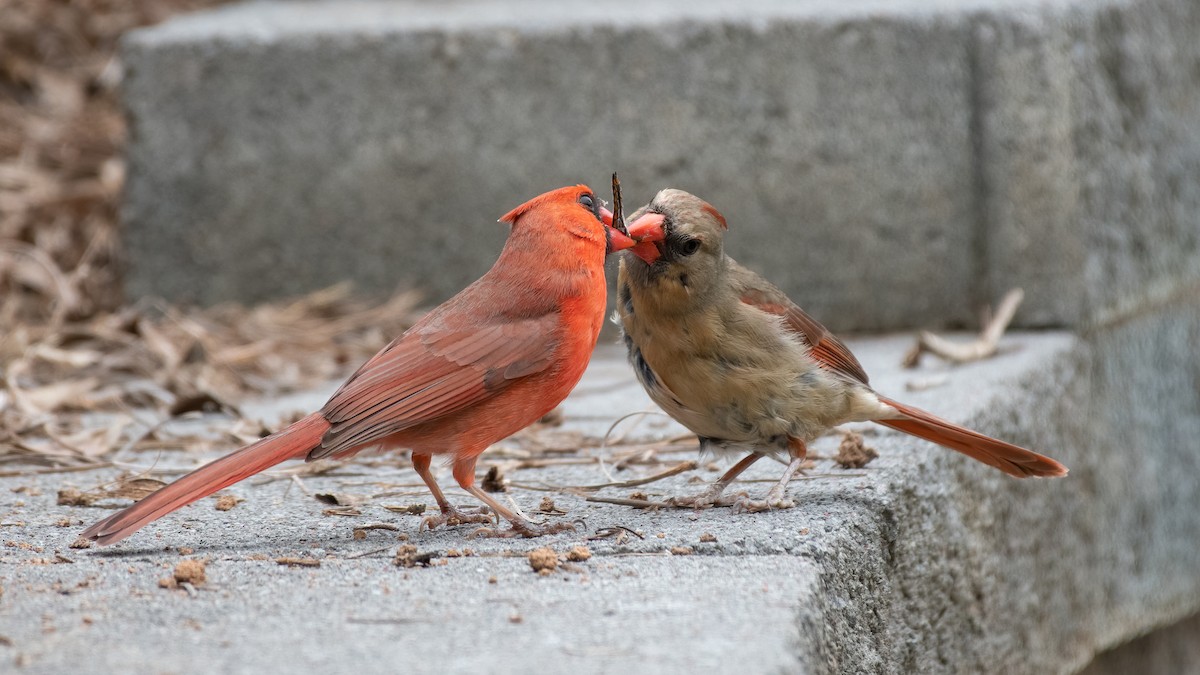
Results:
<point x="1011" y="459"/>
<point x="293" y="442"/>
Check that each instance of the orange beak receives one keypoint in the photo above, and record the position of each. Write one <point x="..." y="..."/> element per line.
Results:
<point x="646" y="232"/>
<point x="617" y="240"/>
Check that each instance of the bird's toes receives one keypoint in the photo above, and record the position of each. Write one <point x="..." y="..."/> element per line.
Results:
<point x="524" y="529"/>
<point x="714" y="496"/>
<point x="746" y="505"/>
<point x="453" y="516"/>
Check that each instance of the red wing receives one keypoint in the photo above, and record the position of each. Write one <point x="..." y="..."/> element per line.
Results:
<point x="427" y="374"/>
<point x="825" y="348"/>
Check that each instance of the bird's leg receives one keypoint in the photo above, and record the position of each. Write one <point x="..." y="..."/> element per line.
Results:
<point x="714" y="494"/>
<point x="449" y="515"/>
<point x="464" y="473"/>
<point x="777" y="496"/>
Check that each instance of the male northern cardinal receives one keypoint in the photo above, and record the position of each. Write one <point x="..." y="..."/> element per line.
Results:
<point x="731" y="358"/>
<point x="483" y="365"/>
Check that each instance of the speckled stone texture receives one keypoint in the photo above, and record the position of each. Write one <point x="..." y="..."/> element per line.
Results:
<point x="923" y="561"/>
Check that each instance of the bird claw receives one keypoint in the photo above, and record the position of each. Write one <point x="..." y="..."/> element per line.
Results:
<point x="526" y="529"/>
<point x="707" y="499"/>
<point x="452" y="516"/>
<point x="774" y="500"/>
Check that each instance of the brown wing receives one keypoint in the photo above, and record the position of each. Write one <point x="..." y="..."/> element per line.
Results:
<point x="428" y="373"/>
<point x="824" y="346"/>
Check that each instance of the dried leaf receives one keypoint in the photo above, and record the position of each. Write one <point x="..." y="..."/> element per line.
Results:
<point x="169" y="354"/>
<point x="494" y="481"/>
<point x="298" y="562"/>
<point x="340" y="498"/>
<point x="51" y="397"/>
<point x="135" y="488"/>
<point x="93" y="443"/>
<point x="411" y="509"/>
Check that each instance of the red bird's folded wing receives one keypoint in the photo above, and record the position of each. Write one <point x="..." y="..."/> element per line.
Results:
<point x="430" y="373"/>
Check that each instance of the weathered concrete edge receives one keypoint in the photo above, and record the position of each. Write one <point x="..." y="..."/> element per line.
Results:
<point x="1015" y="563"/>
<point x="1024" y="191"/>
<point x="290" y="20"/>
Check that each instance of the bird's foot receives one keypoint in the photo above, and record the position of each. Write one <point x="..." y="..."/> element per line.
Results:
<point x="713" y="496"/>
<point x="451" y="516"/>
<point x="776" y="499"/>
<point x="525" y="529"/>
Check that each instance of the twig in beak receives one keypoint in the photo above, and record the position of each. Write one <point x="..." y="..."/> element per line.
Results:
<point x="618" y="213"/>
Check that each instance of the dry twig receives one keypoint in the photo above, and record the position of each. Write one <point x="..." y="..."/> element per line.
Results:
<point x="981" y="348"/>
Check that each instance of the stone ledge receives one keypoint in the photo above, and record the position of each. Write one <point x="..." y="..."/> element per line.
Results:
<point x="974" y="146"/>
<point x="926" y="562"/>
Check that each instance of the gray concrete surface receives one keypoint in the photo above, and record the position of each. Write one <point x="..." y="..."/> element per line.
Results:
<point x="974" y="146"/>
<point x="922" y="562"/>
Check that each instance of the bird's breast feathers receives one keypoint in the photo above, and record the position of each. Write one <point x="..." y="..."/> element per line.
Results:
<point x="734" y="382"/>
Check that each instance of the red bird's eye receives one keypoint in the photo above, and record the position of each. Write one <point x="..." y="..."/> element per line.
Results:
<point x="588" y="202"/>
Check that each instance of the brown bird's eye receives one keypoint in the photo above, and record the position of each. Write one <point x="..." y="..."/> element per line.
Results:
<point x="690" y="246"/>
<point x="588" y="202"/>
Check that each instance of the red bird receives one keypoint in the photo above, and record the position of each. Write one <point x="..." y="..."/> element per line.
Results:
<point x="482" y="366"/>
<point x="730" y="357"/>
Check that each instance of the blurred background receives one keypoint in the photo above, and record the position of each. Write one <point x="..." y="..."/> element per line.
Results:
<point x="890" y="166"/>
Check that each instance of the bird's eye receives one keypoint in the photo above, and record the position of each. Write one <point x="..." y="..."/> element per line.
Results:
<point x="689" y="246"/>
<point x="588" y="202"/>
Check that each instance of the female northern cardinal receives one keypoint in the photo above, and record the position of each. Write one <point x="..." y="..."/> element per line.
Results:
<point x="483" y="365"/>
<point x="734" y="360"/>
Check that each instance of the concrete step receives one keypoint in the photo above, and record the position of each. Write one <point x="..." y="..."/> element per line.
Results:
<point x="923" y="561"/>
<point x="888" y="164"/>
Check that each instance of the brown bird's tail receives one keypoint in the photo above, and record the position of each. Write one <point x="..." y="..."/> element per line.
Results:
<point x="294" y="441"/>
<point x="1011" y="459"/>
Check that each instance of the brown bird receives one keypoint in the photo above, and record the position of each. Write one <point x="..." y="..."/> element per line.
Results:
<point x="731" y="358"/>
<point x="483" y="365"/>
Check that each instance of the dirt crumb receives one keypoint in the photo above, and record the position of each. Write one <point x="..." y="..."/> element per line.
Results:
<point x="853" y="453"/>
<point x="548" y="507"/>
<point x="64" y="522"/>
<point x="543" y="560"/>
<point x="81" y="543"/>
<point x="682" y="550"/>
<point x="227" y="502"/>
<point x="708" y="538"/>
<point x="186" y="550"/>
<point x="408" y="556"/>
<point x="24" y="546"/>
<point x="189" y="571"/>
<point x="579" y="553"/>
